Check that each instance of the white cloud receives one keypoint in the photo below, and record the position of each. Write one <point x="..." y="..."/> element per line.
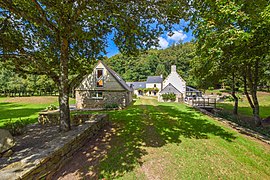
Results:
<point x="163" y="43"/>
<point x="177" y="36"/>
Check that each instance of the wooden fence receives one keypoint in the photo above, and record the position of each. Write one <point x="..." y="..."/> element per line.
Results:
<point x="202" y="102"/>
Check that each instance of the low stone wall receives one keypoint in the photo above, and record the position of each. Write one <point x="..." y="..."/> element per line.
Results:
<point x="53" y="118"/>
<point x="46" y="162"/>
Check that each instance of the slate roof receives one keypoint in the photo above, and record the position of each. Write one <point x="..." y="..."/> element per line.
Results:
<point x="154" y="79"/>
<point x="170" y="89"/>
<point x="117" y="77"/>
<point x="137" y="85"/>
<point x="191" y="89"/>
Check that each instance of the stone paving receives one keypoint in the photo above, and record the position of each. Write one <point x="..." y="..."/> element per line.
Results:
<point x="37" y="144"/>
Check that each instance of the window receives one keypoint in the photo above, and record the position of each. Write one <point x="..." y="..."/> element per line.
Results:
<point x="99" y="78"/>
<point x="97" y="95"/>
<point x="100" y="83"/>
<point x="155" y="85"/>
<point x="99" y="73"/>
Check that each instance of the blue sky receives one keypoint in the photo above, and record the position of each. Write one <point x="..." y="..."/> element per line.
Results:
<point x="165" y="41"/>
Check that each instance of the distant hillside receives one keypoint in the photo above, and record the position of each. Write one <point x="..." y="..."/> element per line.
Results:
<point x="154" y="62"/>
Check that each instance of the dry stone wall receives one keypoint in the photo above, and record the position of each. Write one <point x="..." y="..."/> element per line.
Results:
<point x="44" y="163"/>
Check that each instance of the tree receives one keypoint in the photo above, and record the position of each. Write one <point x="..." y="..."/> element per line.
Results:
<point x="161" y="70"/>
<point x="63" y="38"/>
<point x="240" y="28"/>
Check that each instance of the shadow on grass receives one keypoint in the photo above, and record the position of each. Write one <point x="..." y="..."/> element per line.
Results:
<point x="138" y="127"/>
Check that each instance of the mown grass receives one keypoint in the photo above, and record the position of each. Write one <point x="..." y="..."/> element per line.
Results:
<point x="26" y="108"/>
<point x="245" y="109"/>
<point x="172" y="141"/>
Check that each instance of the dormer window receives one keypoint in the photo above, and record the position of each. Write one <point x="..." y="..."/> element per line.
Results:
<point x="99" y="77"/>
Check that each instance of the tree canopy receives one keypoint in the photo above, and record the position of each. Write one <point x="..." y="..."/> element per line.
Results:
<point x="63" y="38"/>
<point x="155" y="62"/>
<point x="232" y="41"/>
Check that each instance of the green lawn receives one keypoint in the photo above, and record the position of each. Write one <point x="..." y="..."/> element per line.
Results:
<point x="244" y="107"/>
<point x="172" y="141"/>
<point x="26" y="108"/>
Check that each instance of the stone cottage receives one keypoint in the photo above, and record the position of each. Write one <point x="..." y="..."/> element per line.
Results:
<point x="102" y="88"/>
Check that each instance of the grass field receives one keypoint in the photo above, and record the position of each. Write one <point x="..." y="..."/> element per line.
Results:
<point x="26" y="108"/>
<point x="244" y="107"/>
<point x="155" y="140"/>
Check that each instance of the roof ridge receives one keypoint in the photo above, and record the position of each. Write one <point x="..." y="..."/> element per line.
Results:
<point x="172" y="86"/>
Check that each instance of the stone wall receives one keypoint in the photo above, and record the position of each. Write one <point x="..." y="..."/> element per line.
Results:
<point x="44" y="164"/>
<point x="53" y="118"/>
<point x="85" y="101"/>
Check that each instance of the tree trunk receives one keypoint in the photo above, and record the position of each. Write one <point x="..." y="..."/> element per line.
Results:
<point x="64" y="88"/>
<point x="247" y="94"/>
<point x="253" y="85"/>
<point x="235" y="107"/>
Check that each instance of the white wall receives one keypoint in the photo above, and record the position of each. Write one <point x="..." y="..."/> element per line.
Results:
<point x="175" y="79"/>
<point x="151" y="85"/>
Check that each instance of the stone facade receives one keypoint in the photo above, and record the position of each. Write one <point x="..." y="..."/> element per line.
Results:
<point x="85" y="101"/>
<point x="102" y="87"/>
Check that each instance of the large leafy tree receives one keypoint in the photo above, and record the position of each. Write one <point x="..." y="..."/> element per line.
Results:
<point x="62" y="38"/>
<point x="232" y="37"/>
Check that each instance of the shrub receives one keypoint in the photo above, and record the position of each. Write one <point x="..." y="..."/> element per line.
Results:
<point x="219" y="93"/>
<point x="228" y="88"/>
<point x="16" y="127"/>
<point x="111" y="106"/>
<point x="51" y="107"/>
<point x="210" y="88"/>
<point x="169" y="96"/>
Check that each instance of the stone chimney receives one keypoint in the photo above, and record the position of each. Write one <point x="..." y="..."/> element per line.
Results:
<point x="173" y="68"/>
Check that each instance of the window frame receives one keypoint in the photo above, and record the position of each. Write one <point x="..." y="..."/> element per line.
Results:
<point x="95" y="95"/>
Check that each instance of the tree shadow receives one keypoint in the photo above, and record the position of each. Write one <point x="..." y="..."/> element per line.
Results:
<point x="139" y="127"/>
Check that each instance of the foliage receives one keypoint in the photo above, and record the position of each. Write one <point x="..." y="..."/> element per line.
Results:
<point x="145" y="90"/>
<point x="12" y="84"/>
<point x="232" y="44"/>
<point x="111" y="106"/>
<point x="169" y="96"/>
<point x="155" y="62"/>
<point x="51" y="107"/>
<point x="16" y="127"/>
<point x="67" y="37"/>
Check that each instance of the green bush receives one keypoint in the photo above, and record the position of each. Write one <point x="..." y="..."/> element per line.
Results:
<point x="228" y="88"/>
<point x="219" y="93"/>
<point x="111" y="106"/>
<point x="51" y="107"/>
<point x="16" y="127"/>
<point x="169" y="96"/>
<point x="210" y="88"/>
